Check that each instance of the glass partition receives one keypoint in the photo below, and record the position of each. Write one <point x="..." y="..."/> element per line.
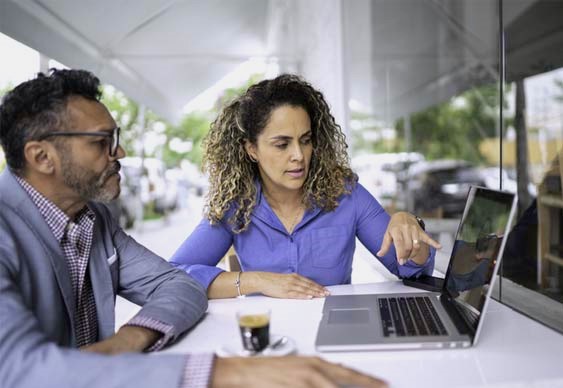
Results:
<point x="532" y="272"/>
<point x="424" y="100"/>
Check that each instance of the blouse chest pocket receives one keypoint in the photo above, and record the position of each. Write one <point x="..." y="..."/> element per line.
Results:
<point x="328" y="246"/>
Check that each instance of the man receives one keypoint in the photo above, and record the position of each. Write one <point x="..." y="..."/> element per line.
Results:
<point x="63" y="259"/>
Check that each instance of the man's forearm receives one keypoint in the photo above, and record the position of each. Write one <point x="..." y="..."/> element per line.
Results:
<point x="138" y="338"/>
<point x="127" y="339"/>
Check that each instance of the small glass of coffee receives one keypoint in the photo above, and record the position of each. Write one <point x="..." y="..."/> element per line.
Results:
<point x="254" y="324"/>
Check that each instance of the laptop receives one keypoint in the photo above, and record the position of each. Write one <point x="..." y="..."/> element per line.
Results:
<point x="451" y="318"/>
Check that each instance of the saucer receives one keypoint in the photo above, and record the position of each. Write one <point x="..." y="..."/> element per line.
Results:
<point x="234" y="348"/>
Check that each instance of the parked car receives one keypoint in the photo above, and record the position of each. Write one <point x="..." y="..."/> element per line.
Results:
<point x="378" y="173"/>
<point x="440" y="187"/>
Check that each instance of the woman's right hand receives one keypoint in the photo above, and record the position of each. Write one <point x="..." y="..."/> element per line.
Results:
<point x="292" y="286"/>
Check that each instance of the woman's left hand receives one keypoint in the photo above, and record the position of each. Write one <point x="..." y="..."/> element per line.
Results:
<point x="411" y="242"/>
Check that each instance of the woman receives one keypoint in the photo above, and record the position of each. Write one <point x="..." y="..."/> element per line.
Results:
<point x="282" y="192"/>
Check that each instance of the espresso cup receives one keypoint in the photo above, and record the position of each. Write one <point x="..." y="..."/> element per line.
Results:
<point x="254" y="327"/>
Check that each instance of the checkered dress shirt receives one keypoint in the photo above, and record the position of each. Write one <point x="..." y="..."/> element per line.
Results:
<point x="75" y="238"/>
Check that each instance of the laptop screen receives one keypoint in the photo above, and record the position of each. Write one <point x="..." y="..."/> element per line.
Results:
<point x="476" y="250"/>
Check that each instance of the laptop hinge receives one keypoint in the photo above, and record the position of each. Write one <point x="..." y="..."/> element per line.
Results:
<point x="460" y="321"/>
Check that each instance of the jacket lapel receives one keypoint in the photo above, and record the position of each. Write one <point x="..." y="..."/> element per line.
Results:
<point x="100" y="277"/>
<point x="24" y="206"/>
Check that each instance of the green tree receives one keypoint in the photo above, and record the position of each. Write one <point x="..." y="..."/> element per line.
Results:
<point x="230" y="94"/>
<point x="192" y="128"/>
<point x="364" y="125"/>
<point x="455" y="128"/>
<point x="125" y="113"/>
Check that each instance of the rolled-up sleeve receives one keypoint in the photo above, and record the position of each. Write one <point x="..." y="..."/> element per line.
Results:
<point x="166" y="294"/>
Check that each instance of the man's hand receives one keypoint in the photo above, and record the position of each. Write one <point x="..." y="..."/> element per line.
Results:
<point x="277" y="285"/>
<point x="295" y="372"/>
<point x="127" y="339"/>
<point x="409" y="239"/>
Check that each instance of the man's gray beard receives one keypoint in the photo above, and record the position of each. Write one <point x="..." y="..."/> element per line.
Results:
<point x="87" y="184"/>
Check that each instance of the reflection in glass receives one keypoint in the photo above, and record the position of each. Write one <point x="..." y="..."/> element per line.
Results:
<point x="476" y="249"/>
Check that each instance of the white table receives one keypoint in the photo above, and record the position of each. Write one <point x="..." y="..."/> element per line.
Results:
<point x="513" y="351"/>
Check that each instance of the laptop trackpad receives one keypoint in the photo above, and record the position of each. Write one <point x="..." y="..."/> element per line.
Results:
<point x="348" y="316"/>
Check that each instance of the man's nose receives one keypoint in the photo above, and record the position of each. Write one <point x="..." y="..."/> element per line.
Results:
<point x="119" y="154"/>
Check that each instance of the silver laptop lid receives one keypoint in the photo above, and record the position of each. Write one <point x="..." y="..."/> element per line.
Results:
<point x="477" y="251"/>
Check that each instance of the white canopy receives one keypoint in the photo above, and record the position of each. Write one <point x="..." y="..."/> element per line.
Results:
<point x="393" y="57"/>
<point x="160" y="53"/>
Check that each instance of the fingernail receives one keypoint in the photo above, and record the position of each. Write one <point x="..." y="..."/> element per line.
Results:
<point x="310" y="296"/>
<point x="378" y="253"/>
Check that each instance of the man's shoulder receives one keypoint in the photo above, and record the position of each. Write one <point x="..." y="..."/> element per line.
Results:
<point x="8" y="185"/>
<point x="12" y="196"/>
<point x="12" y="223"/>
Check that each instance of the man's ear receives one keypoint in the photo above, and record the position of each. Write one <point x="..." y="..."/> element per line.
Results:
<point x="39" y="157"/>
<point x="251" y="150"/>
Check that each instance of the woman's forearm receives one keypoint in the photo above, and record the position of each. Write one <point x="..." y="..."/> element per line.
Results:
<point x="224" y="285"/>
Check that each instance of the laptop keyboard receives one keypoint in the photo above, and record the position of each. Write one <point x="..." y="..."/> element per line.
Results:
<point x="410" y="316"/>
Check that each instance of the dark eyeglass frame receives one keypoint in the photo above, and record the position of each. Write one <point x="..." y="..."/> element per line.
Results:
<point x="114" y="134"/>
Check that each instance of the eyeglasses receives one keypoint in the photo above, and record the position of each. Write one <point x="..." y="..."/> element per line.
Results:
<point x="114" y="135"/>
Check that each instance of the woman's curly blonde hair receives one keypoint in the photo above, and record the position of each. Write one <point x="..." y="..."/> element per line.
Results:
<point x="232" y="173"/>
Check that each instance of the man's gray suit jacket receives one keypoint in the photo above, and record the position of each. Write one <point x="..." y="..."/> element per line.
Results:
<point x="37" y="307"/>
